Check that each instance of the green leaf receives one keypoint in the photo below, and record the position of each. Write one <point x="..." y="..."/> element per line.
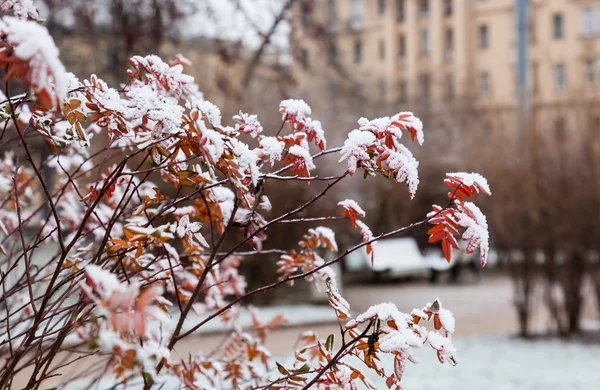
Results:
<point x="304" y="368"/>
<point x="329" y="342"/>
<point x="435" y="306"/>
<point x="282" y="369"/>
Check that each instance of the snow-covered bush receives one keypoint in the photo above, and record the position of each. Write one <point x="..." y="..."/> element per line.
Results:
<point x="141" y="266"/>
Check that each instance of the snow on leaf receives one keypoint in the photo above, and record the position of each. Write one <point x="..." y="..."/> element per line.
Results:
<point x="352" y="210"/>
<point x="248" y="124"/>
<point x="314" y="131"/>
<point x="302" y="160"/>
<point x="35" y="58"/>
<point x="271" y="148"/>
<point x="470" y="217"/>
<point x="338" y="303"/>
<point x="294" y="110"/>
<point x="466" y="184"/>
<point x="412" y="124"/>
<point x="356" y="147"/>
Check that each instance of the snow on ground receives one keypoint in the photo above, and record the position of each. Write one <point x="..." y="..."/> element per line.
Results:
<point x="494" y="363"/>
<point x="504" y="362"/>
<point x="295" y="315"/>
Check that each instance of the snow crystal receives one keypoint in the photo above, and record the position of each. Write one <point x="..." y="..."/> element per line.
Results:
<point x="33" y="43"/>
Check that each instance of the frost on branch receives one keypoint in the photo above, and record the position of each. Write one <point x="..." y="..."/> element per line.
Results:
<point x="33" y="57"/>
<point x="375" y="147"/>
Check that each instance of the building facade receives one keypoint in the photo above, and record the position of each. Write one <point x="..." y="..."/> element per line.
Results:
<point x="439" y="52"/>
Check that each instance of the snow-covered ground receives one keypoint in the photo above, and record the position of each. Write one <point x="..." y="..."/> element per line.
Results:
<point x="503" y="362"/>
<point x="494" y="363"/>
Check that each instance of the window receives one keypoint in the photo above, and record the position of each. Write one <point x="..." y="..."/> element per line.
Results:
<point x="382" y="89"/>
<point x="381" y="49"/>
<point x="557" y="21"/>
<point x="357" y="11"/>
<point x="401" y="49"/>
<point x="425" y="42"/>
<point x="357" y="51"/>
<point x="484" y="85"/>
<point x="448" y="7"/>
<point x="424" y="84"/>
<point x="450" y="89"/>
<point x="381" y="7"/>
<point x="449" y="43"/>
<point x="304" y="58"/>
<point x="534" y="78"/>
<point x="590" y="72"/>
<point x="305" y="14"/>
<point x="400" y="10"/>
<point x="484" y="39"/>
<point x="332" y="53"/>
<point x="560" y="131"/>
<point x="332" y="6"/>
<point x="423" y="8"/>
<point x="589" y="27"/>
<point x="559" y="78"/>
<point x="402" y="91"/>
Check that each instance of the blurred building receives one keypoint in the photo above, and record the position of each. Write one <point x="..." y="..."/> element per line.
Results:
<point x="446" y="55"/>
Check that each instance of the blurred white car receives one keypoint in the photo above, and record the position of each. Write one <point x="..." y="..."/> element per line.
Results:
<point x="401" y="257"/>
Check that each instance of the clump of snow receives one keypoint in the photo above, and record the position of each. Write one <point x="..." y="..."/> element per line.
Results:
<point x="350" y="204"/>
<point x="303" y="154"/>
<point x="296" y="110"/>
<point x="271" y="148"/>
<point x="474" y="180"/>
<point x="355" y="148"/>
<point x="447" y="319"/>
<point x="32" y="43"/>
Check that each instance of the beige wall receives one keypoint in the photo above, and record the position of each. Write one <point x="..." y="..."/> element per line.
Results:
<point x="468" y="61"/>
